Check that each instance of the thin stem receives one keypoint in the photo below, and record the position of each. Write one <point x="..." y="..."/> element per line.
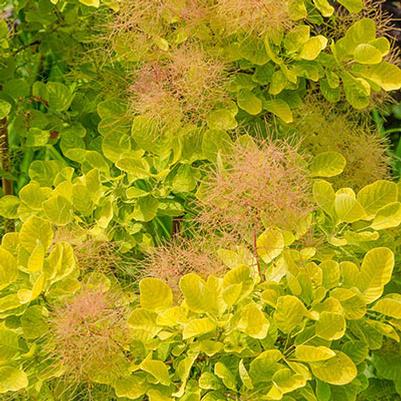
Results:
<point x="7" y="183"/>
<point x="255" y="250"/>
<point x="5" y="158"/>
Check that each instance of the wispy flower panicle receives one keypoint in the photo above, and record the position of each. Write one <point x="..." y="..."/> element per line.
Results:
<point x="185" y="87"/>
<point x="258" y="186"/>
<point x="89" y="333"/>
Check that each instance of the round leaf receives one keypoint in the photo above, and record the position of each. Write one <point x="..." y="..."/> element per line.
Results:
<point x="367" y="54"/>
<point x="309" y="353"/>
<point x="348" y="209"/>
<point x="330" y="326"/>
<point x="249" y="102"/>
<point x="377" y="268"/>
<point x="377" y="195"/>
<point x="327" y="164"/>
<point x="12" y="379"/>
<point x="387" y="217"/>
<point x="5" y="108"/>
<point x="289" y="313"/>
<point x="339" y="370"/>
<point x="155" y="294"/>
<point x="270" y="244"/>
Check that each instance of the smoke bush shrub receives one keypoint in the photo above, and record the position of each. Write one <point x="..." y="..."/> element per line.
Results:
<point x="90" y="333"/>
<point x="364" y="149"/>
<point x="292" y="251"/>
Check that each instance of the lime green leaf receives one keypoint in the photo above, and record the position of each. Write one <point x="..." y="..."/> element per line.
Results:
<point x="297" y="37"/>
<point x="279" y="108"/>
<point x="12" y="379"/>
<point x="144" y="321"/>
<point x="331" y="273"/>
<point x="34" y="323"/>
<point x="286" y="381"/>
<point x="145" y="209"/>
<point x="347" y="208"/>
<point x="33" y="230"/>
<point x="387" y="217"/>
<point x="194" y="291"/>
<point x="327" y="164"/>
<point x="324" y="195"/>
<point x="90" y="3"/>
<point x="352" y="302"/>
<point x="60" y="96"/>
<point x="137" y="168"/>
<point x="131" y="387"/>
<point x="270" y="244"/>
<point x="158" y="395"/>
<point x="278" y="82"/>
<point x="297" y="10"/>
<point x="9" y="346"/>
<point x="377" y="195"/>
<point x="44" y="172"/>
<point x="339" y="370"/>
<point x="157" y="369"/>
<point x="376" y="270"/>
<point x="225" y="374"/>
<point x="385" y="329"/>
<point x="382" y="44"/>
<point x="244" y="375"/>
<point x="155" y="294"/>
<point x="290" y="312"/>
<point x="8" y="268"/>
<point x="134" y="192"/>
<point x="115" y="146"/>
<point x="183" y="370"/>
<point x="59" y="210"/>
<point x="330" y="326"/>
<point x="222" y="120"/>
<point x="324" y="7"/>
<point x="208" y="381"/>
<point x="33" y="195"/>
<point x="264" y="364"/>
<point x="357" y="91"/>
<point x="9" y="206"/>
<point x="385" y="75"/>
<point x="353" y="6"/>
<point x="389" y="306"/>
<point x="61" y="262"/>
<point x="323" y="391"/>
<point x="210" y="347"/>
<point x="36" y="258"/>
<point x="312" y="48"/>
<point x="161" y="43"/>
<point x="198" y="327"/>
<point x="184" y="179"/>
<point x="309" y="353"/>
<point x="253" y="322"/>
<point x="232" y="293"/>
<point x="5" y="108"/>
<point x="367" y="54"/>
<point x="356" y="350"/>
<point x="362" y="31"/>
<point x="249" y="102"/>
<point x="8" y="303"/>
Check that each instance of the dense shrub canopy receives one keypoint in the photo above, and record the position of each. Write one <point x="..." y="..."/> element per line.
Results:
<point x="200" y="200"/>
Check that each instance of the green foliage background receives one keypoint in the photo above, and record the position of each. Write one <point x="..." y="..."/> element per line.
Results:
<point x="114" y="119"/>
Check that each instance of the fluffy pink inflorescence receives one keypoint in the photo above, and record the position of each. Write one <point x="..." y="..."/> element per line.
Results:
<point x="254" y="16"/>
<point x="89" y="333"/>
<point x="186" y="87"/>
<point x="261" y="185"/>
<point x="140" y="26"/>
<point x="170" y="262"/>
